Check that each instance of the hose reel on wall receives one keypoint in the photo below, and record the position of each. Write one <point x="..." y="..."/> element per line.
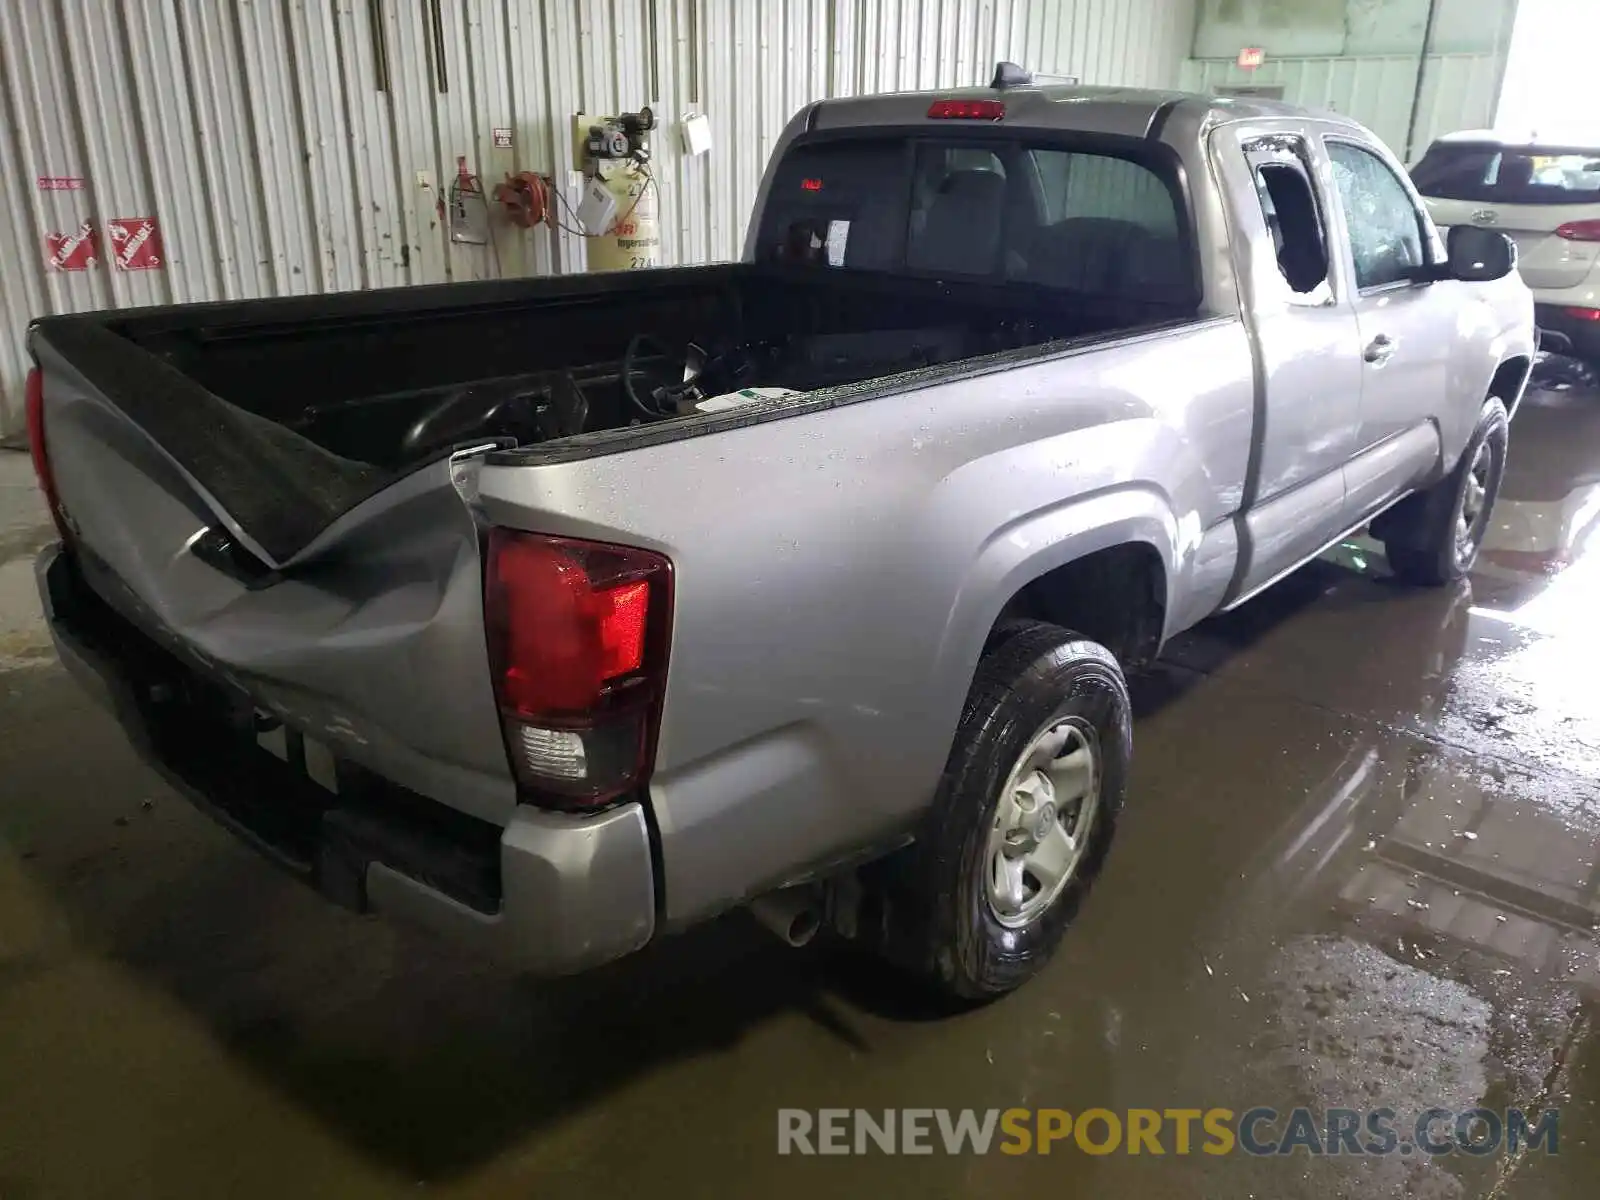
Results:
<point x="525" y="199"/>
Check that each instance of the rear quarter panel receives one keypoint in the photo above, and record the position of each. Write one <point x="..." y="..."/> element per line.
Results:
<point x="838" y="571"/>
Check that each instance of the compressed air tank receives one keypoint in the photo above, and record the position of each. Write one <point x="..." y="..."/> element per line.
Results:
<point x="632" y="238"/>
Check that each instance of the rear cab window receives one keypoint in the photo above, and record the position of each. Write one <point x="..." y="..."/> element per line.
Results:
<point x="1093" y="221"/>
<point x="1488" y="173"/>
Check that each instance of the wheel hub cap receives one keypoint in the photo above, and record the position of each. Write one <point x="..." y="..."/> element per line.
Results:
<point x="1043" y="821"/>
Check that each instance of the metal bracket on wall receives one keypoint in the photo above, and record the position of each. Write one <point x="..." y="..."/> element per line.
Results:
<point x="1422" y="71"/>
<point x="435" y="15"/>
<point x="380" y="47"/>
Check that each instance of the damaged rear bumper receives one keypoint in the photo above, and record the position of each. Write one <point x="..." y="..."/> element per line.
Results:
<point x="551" y="892"/>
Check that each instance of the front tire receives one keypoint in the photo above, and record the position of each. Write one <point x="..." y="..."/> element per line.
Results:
<point x="1023" y="817"/>
<point x="1433" y="538"/>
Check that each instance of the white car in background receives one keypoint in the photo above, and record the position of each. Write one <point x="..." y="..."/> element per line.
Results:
<point x="1545" y="193"/>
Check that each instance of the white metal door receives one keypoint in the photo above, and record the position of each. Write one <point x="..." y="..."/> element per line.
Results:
<point x="1405" y="364"/>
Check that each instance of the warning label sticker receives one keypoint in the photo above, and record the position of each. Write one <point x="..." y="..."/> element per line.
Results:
<point x="135" y="243"/>
<point x="75" y="251"/>
<point x="60" y="183"/>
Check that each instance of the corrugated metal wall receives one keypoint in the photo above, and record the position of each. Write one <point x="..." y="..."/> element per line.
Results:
<point x="295" y="146"/>
<point x="1458" y="90"/>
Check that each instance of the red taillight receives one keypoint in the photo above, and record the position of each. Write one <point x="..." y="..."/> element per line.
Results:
<point x="811" y="185"/>
<point x="577" y="641"/>
<point x="967" y="110"/>
<point x="1580" y="231"/>
<point x="34" y="403"/>
<point x="1583" y="314"/>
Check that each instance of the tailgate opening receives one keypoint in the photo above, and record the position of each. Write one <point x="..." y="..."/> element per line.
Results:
<point x="202" y="737"/>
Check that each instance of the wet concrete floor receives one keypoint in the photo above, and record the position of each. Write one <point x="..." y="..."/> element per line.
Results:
<point x="1358" y="870"/>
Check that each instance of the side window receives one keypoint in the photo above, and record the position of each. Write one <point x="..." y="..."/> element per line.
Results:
<point x="1385" y="230"/>
<point x="1289" y="205"/>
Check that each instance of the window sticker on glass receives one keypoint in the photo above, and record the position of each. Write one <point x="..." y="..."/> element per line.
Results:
<point x="838" y="235"/>
<point x="804" y="243"/>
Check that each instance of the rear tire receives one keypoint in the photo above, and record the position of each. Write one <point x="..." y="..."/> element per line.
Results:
<point x="980" y="901"/>
<point x="1433" y="538"/>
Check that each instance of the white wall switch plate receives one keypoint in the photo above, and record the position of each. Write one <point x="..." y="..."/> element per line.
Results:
<point x="695" y="130"/>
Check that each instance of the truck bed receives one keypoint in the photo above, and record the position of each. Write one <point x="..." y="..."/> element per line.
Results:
<point x="286" y="415"/>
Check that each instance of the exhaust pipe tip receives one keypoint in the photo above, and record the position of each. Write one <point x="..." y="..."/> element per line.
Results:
<point x="803" y="927"/>
<point x="793" y="915"/>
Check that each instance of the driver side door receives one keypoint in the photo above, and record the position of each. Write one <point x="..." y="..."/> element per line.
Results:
<point x="1304" y="334"/>
<point x="1405" y="351"/>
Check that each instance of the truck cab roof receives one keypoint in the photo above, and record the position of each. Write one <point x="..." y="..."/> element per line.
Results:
<point x="1129" y="112"/>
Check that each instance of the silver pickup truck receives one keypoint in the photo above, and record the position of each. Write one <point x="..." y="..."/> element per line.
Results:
<point x="562" y="613"/>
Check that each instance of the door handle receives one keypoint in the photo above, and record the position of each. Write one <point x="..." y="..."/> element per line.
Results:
<point x="1380" y="349"/>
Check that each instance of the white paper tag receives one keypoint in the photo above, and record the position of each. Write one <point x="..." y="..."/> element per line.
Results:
<point x="838" y="238"/>
<point x="596" y="208"/>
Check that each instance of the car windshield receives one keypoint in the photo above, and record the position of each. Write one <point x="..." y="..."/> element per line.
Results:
<point x="1495" y="174"/>
<point x="1077" y="219"/>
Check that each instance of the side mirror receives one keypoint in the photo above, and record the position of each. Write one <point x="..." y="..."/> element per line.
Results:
<point x="1479" y="255"/>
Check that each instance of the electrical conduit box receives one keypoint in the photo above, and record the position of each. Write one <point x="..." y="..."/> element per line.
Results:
<point x="580" y="139"/>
